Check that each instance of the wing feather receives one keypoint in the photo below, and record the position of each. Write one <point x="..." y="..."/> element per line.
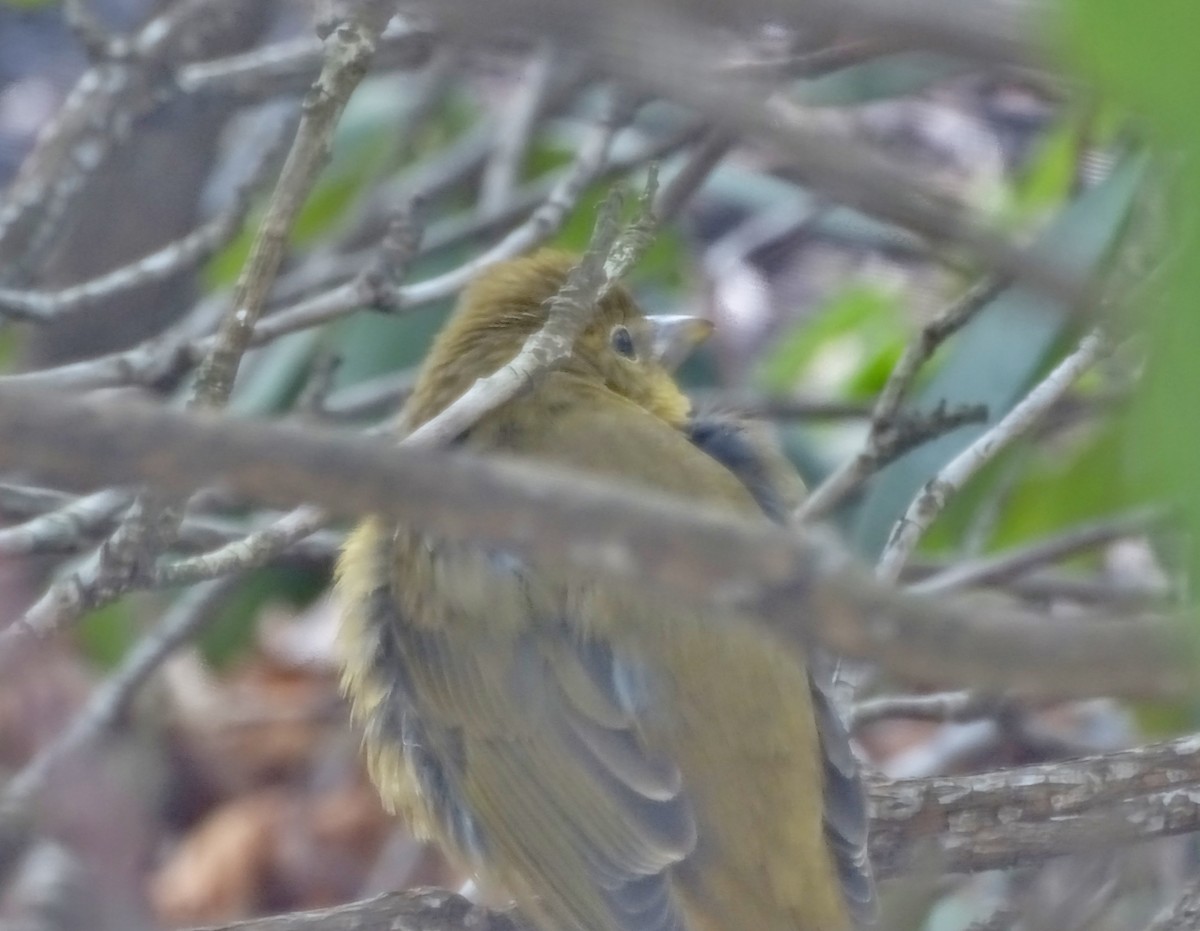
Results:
<point x="527" y="741"/>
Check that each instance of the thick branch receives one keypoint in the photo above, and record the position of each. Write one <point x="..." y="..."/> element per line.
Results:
<point x="1031" y="813"/>
<point x="420" y="910"/>
<point x="956" y="823"/>
<point x="797" y="588"/>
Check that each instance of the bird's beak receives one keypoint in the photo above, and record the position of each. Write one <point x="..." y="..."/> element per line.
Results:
<point x="674" y="337"/>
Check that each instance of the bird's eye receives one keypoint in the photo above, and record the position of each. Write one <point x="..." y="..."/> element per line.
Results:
<point x="622" y="342"/>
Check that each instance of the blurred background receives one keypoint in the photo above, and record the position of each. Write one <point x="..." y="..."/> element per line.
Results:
<point x="229" y="784"/>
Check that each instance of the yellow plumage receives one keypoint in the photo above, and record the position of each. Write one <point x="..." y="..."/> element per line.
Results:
<point x="612" y="763"/>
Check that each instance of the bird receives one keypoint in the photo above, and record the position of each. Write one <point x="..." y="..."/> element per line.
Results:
<point x="608" y="759"/>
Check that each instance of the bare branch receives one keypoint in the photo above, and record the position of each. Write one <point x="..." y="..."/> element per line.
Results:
<point x="67" y="528"/>
<point x="515" y="131"/>
<point x="290" y="67"/>
<point x="250" y="552"/>
<point x="799" y="588"/>
<point x="568" y="315"/>
<point x="1183" y="914"/>
<point x="186" y="252"/>
<point x="419" y="910"/>
<point x="780" y="407"/>
<point x="1031" y="813"/>
<point x="154" y="518"/>
<point x="933" y="497"/>
<point x="999" y="567"/>
<point x="666" y="54"/>
<point x="97" y="114"/>
<point x="959" y="823"/>
<point x="163" y="361"/>
<point x="348" y="52"/>
<point x="878" y="450"/>
<point x="108" y="703"/>
<point x="701" y="161"/>
<point x="941" y="707"/>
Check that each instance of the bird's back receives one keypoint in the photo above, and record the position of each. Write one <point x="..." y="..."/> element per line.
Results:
<point x="619" y="763"/>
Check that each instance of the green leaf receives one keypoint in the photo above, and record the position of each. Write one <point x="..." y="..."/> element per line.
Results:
<point x="881" y="78"/>
<point x="996" y="356"/>
<point x="1144" y="55"/>
<point x="104" y="635"/>
<point x="848" y="345"/>
<point x="1047" y="179"/>
<point x="233" y="630"/>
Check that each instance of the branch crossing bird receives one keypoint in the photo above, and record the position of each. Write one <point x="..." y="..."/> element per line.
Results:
<point x="613" y="761"/>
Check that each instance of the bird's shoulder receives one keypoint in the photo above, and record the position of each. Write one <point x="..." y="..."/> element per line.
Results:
<point x="574" y="422"/>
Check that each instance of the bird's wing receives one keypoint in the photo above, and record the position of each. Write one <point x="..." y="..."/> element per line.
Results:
<point x="846" y="816"/>
<point x="753" y="456"/>
<point x="530" y="731"/>
<point x="524" y="745"/>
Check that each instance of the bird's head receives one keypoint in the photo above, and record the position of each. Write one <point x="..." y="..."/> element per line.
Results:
<point x="632" y="354"/>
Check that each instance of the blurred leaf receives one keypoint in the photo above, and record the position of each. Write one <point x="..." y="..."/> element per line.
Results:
<point x="1145" y="56"/>
<point x="274" y="374"/>
<point x="11" y="341"/>
<point x="1049" y="176"/>
<point x="545" y="155"/>
<point x="235" y="628"/>
<point x="106" y="634"/>
<point x="994" y="358"/>
<point x="1066" y="482"/>
<point x="882" y="78"/>
<point x="364" y="148"/>
<point x="371" y="344"/>
<point x="848" y="346"/>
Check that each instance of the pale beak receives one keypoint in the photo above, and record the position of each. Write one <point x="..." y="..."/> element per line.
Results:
<point x="674" y="337"/>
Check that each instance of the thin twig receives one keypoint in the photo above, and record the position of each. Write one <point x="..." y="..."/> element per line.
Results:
<point x="1002" y="567"/>
<point x="289" y="67"/>
<point x="250" y="552"/>
<point x="568" y="315"/>
<point x="932" y="499"/>
<point x="1181" y="915"/>
<point x="348" y="52"/>
<point x="656" y="47"/>
<point x="83" y="526"/>
<point x="67" y="528"/>
<point x="111" y="699"/>
<point x="125" y="81"/>
<point x="681" y="186"/>
<point x="154" y="519"/>
<point x="162" y="361"/>
<point x="515" y="131"/>
<point x="186" y="252"/>
<point x="940" y="707"/>
<point x="779" y="407"/>
<point x="879" y="447"/>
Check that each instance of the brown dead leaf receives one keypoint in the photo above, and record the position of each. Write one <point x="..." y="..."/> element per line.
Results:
<point x="219" y="871"/>
<point x="258" y="725"/>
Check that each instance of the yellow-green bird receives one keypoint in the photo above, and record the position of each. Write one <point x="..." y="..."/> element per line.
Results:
<point x="612" y="761"/>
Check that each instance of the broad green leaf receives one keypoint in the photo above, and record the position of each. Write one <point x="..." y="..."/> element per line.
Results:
<point x="106" y="634"/>
<point x="1048" y="177"/>
<point x="849" y="345"/>
<point x="995" y="357"/>
<point x="882" y="78"/>
<point x="1144" y="55"/>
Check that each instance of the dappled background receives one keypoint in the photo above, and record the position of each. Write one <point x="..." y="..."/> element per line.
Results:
<point x="208" y="772"/>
